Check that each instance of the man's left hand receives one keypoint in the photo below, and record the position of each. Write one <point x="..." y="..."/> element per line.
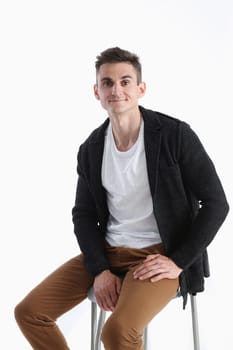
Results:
<point x="156" y="267"/>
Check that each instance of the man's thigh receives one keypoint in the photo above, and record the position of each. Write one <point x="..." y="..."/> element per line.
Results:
<point x="63" y="289"/>
<point x="140" y="301"/>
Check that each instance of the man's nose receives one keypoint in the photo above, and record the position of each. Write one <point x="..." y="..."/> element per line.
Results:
<point x="116" y="89"/>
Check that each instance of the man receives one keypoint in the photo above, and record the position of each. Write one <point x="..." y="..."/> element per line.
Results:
<point x="148" y="203"/>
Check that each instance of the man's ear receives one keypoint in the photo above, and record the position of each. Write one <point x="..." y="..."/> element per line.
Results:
<point x="142" y="89"/>
<point x="96" y="93"/>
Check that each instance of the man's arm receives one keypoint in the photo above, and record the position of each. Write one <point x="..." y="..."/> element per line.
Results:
<point x="86" y="226"/>
<point x="201" y="179"/>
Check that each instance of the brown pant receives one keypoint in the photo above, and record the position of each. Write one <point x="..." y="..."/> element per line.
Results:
<point x="67" y="286"/>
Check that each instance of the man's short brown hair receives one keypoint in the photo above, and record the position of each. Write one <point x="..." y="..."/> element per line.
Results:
<point x="115" y="55"/>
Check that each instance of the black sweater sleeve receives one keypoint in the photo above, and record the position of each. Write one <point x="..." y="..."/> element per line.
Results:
<point x="201" y="179"/>
<point x="87" y="227"/>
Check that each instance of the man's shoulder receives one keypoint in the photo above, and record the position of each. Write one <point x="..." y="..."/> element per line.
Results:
<point x="161" y="119"/>
<point x="97" y="135"/>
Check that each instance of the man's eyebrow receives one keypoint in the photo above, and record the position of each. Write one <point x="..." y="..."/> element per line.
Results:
<point x="123" y="77"/>
<point x="106" y="78"/>
<point x="127" y="77"/>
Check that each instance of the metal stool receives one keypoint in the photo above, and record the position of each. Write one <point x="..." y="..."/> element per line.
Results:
<point x="97" y="322"/>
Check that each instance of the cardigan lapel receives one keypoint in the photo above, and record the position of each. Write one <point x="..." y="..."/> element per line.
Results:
<point x="152" y="141"/>
<point x="96" y="152"/>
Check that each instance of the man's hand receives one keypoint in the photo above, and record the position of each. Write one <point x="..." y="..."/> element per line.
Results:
<point x="156" y="267"/>
<point x="107" y="288"/>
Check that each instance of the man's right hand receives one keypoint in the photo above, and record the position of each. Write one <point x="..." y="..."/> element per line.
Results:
<point x="107" y="288"/>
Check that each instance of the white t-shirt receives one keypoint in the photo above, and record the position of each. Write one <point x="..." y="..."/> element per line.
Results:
<point x="124" y="176"/>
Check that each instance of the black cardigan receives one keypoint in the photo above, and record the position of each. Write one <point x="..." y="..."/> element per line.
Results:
<point x="188" y="199"/>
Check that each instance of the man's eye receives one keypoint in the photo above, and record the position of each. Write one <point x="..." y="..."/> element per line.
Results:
<point x="125" y="82"/>
<point x="107" y="83"/>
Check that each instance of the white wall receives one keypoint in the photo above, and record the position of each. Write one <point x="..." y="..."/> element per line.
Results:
<point x="47" y="109"/>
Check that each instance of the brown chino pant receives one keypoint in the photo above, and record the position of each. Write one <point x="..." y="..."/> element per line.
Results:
<point x="67" y="286"/>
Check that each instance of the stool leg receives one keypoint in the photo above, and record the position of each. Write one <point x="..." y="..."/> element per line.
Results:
<point x="93" y="324"/>
<point x="195" y="323"/>
<point x="145" y="337"/>
<point x="101" y="320"/>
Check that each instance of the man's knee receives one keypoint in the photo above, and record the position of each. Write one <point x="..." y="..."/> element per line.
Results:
<point x="20" y="312"/>
<point x="26" y="313"/>
<point x="117" y="335"/>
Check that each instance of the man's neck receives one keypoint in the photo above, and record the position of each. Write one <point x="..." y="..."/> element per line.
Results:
<point x="125" y="130"/>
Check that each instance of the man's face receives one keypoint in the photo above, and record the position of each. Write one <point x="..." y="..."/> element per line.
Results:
<point x="117" y="88"/>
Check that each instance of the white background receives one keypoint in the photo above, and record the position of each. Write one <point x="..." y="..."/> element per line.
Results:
<point x="47" y="109"/>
